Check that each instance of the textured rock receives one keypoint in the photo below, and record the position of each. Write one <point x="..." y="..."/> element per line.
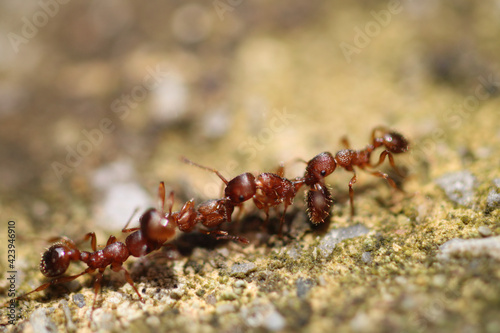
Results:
<point x="458" y="186"/>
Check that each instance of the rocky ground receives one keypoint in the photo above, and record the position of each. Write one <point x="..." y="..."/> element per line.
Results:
<point x="99" y="101"/>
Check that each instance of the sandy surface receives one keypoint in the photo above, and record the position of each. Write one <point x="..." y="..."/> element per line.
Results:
<point x="99" y="101"/>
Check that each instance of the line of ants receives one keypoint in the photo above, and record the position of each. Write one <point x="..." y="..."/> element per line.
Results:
<point x="158" y="226"/>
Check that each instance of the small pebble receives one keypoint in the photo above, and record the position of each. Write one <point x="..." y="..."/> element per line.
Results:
<point x="458" y="186"/>
<point x="484" y="231"/>
<point x="211" y="299"/>
<point x="493" y="200"/>
<point x="242" y="270"/>
<point x="334" y="237"/>
<point x="263" y="315"/>
<point x="79" y="300"/>
<point x="274" y="321"/>
<point x="476" y="247"/>
<point x="228" y="296"/>
<point x="176" y="294"/>
<point x="366" y="257"/>
<point x="225" y="308"/>
<point x="240" y="284"/>
<point x="40" y="322"/>
<point x="303" y="286"/>
<point x="153" y="321"/>
<point x="70" y="326"/>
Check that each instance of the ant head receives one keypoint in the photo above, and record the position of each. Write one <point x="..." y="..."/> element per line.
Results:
<point x="241" y="188"/>
<point x="319" y="167"/>
<point x="156" y="227"/>
<point x="395" y="142"/>
<point x="55" y="260"/>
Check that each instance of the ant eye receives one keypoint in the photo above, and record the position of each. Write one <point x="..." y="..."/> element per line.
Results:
<point x="241" y="197"/>
<point x="323" y="172"/>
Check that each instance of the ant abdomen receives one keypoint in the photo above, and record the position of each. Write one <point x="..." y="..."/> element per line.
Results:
<point x="319" y="202"/>
<point x="156" y="227"/>
<point x="55" y="260"/>
<point x="139" y="246"/>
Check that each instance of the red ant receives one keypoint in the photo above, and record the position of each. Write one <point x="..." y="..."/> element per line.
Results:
<point x="160" y="227"/>
<point x="267" y="190"/>
<point x="393" y="142"/>
<point x="319" y="198"/>
<point x="57" y="258"/>
<point x="144" y="240"/>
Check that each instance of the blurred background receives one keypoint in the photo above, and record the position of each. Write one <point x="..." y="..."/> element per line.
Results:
<point x="98" y="100"/>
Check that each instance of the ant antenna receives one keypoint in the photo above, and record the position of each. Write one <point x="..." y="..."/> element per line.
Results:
<point x="188" y="161"/>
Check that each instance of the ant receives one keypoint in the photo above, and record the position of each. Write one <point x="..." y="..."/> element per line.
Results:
<point x="267" y="190"/>
<point x="393" y="142"/>
<point x="142" y="241"/>
<point x="322" y="165"/>
<point x="159" y="226"/>
<point x="57" y="258"/>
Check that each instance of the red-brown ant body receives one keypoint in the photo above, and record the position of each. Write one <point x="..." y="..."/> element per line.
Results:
<point x="267" y="190"/>
<point x="158" y="227"/>
<point x="323" y="164"/>
<point x="57" y="258"/>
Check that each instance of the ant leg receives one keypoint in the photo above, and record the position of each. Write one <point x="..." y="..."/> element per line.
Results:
<point x="345" y="142"/>
<point x="117" y="268"/>
<point x="386" y="177"/>
<point x="125" y="230"/>
<point x="219" y="234"/>
<point x="93" y="240"/>
<point x="97" y="288"/>
<point x="111" y="240"/>
<point x="282" y="221"/>
<point x="391" y="161"/>
<point x="280" y="171"/>
<point x="241" y="210"/>
<point x="161" y="197"/>
<point x="351" y="192"/>
<point x="187" y="161"/>
<point x="266" y="221"/>
<point x="60" y="280"/>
